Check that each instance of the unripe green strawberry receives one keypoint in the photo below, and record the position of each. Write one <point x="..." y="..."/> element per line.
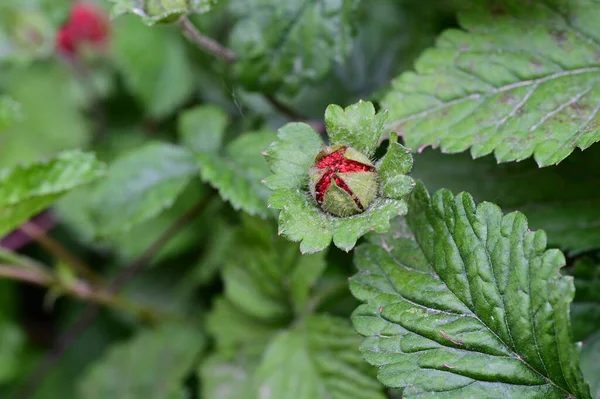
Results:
<point x="343" y="181"/>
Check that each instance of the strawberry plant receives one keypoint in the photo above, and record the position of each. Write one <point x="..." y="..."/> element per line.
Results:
<point x="262" y="199"/>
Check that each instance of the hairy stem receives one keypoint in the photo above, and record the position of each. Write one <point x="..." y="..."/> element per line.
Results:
<point x="77" y="288"/>
<point x="205" y="43"/>
<point x="60" y="252"/>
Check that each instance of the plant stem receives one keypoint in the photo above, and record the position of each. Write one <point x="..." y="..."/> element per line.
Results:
<point x="77" y="288"/>
<point x="60" y="252"/>
<point x="207" y="44"/>
<point x="284" y="108"/>
<point x="91" y="311"/>
<point x="211" y="46"/>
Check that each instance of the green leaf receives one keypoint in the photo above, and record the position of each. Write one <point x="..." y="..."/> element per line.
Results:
<point x="317" y="359"/>
<point x="10" y="112"/>
<point x="141" y="184"/>
<point x="160" y="11"/>
<point x="154" y="65"/>
<point x="28" y="189"/>
<point x="151" y="365"/>
<point x="228" y="377"/>
<point x="11" y="350"/>
<point x="488" y="89"/>
<point x="234" y="329"/>
<point x="201" y="129"/>
<point x="238" y="171"/>
<point x="561" y="200"/>
<point x="291" y="156"/>
<point x="26" y="33"/>
<point x="590" y="363"/>
<point x="266" y="274"/>
<point x="47" y="127"/>
<point x="263" y="278"/>
<point x="285" y="44"/>
<point x="470" y="304"/>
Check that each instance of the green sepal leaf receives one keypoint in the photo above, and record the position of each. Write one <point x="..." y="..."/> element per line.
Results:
<point x="285" y="44"/>
<point x="356" y="126"/>
<point x="301" y="220"/>
<point x="317" y="359"/>
<point x="28" y="189"/>
<point x="393" y="168"/>
<point x="161" y="11"/>
<point x="470" y="304"/>
<point x="488" y="89"/>
<point x="141" y="184"/>
<point x="291" y="156"/>
<point x="155" y="363"/>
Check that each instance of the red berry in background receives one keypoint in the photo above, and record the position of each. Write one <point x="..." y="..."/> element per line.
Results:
<point x="64" y="41"/>
<point x="87" y="25"/>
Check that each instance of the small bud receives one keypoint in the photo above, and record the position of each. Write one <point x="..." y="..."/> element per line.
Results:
<point x="343" y="181"/>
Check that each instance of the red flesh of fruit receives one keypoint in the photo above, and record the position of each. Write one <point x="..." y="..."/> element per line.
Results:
<point x="333" y="164"/>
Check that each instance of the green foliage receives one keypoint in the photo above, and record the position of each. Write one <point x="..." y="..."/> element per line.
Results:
<point x="470" y="304"/>
<point x="11" y="350"/>
<point x="585" y="311"/>
<point x="214" y="301"/>
<point x="286" y="44"/>
<point x="10" y="111"/>
<point x="141" y="184"/>
<point x="561" y="200"/>
<point x="25" y="32"/>
<point x="160" y="359"/>
<point x="47" y="127"/>
<point x="290" y="158"/>
<point x="590" y="363"/>
<point x="158" y="78"/>
<point x="318" y="347"/>
<point x="265" y="319"/>
<point x="28" y="189"/>
<point x="236" y="170"/>
<point x="160" y="11"/>
<point x="488" y="89"/>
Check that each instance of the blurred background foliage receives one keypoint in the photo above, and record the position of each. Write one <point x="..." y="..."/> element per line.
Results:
<point x="124" y="102"/>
